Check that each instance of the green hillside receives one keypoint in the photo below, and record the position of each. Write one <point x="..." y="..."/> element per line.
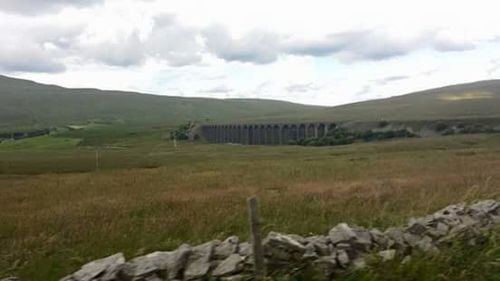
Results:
<point x="472" y="100"/>
<point x="26" y="104"/>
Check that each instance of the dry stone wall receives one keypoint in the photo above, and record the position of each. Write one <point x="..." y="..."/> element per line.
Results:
<point x="344" y="247"/>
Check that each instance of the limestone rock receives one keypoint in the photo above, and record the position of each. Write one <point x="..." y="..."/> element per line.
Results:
<point x="486" y="207"/>
<point x="198" y="263"/>
<point x="360" y="238"/>
<point x="450" y="215"/>
<point x="344" y="248"/>
<point x="387" y="255"/>
<point x="226" y="248"/>
<point x="244" y="249"/>
<point x="238" y="277"/>
<point x="176" y="261"/>
<point x="157" y="265"/>
<point x="143" y="267"/>
<point x="298" y="238"/>
<point x="440" y="230"/>
<point x="99" y="267"/>
<point x="279" y="246"/>
<point x="310" y="253"/>
<point x="417" y="227"/>
<point x="275" y="239"/>
<point x="359" y="263"/>
<point x="363" y="241"/>
<point x="231" y="265"/>
<point x="406" y="260"/>
<point x="341" y="233"/>
<point x="426" y="245"/>
<point x="379" y="238"/>
<point x="411" y="239"/>
<point x="320" y="244"/>
<point x="396" y="238"/>
<point x="11" y="278"/>
<point x="326" y="266"/>
<point x="342" y="258"/>
<point x="153" y="278"/>
<point x="65" y="278"/>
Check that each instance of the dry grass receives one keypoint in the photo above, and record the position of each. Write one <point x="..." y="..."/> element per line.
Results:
<point x="52" y="223"/>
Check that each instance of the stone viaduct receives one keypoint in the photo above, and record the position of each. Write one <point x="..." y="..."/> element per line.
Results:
<point x="268" y="134"/>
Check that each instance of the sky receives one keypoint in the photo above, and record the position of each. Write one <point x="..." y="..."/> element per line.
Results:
<point x="312" y="52"/>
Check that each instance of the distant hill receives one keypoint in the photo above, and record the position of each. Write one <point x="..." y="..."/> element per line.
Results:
<point x="26" y="104"/>
<point x="464" y="101"/>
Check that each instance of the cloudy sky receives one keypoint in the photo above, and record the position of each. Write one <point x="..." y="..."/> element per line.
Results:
<point x="313" y="52"/>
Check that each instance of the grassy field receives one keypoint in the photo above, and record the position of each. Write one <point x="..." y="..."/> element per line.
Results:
<point x="57" y="211"/>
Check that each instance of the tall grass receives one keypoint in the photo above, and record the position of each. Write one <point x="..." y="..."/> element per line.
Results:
<point x="52" y="223"/>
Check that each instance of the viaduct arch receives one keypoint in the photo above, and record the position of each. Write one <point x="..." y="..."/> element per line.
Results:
<point x="263" y="134"/>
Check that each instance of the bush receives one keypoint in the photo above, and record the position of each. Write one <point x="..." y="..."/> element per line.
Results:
<point x="342" y="136"/>
<point x="182" y="131"/>
<point x="383" y="124"/>
<point x="440" y="126"/>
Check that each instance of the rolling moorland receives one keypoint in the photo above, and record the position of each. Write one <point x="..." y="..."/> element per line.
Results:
<point x="60" y="208"/>
<point x="26" y="104"/>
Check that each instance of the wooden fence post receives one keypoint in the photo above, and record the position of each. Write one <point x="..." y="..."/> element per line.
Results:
<point x="257" y="251"/>
<point x="97" y="159"/>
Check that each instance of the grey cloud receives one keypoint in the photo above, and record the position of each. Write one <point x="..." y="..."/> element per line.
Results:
<point x="389" y="79"/>
<point x="263" y="87"/>
<point x="495" y="66"/>
<point x="176" y="44"/>
<point x="263" y="47"/>
<point x="169" y="42"/>
<point x="366" y="89"/>
<point x="351" y="46"/>
<point x="34" y="7"/>
<point x="173" y="42"/>
<point x="371" y="46"/>
<point x="256" y="47"/>
<point x="493" y="39"/>
<point x="429" y="72"/>
<point x="37" y="46"/>
<point x="124" y="52"/>
<point x="30" y="58"/>
<point x="302" y="88"/>
<point x="218" y="89"/>
<point x="448" y="45"/>
<point x="317" y="48"/>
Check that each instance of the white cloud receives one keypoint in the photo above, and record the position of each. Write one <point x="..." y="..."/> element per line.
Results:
<point x="257" y="46"/>
<point x="305" y="51"/>
<point x="33" y="7"/>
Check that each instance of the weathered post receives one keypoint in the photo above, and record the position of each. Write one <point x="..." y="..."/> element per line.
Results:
<point x="257" y="251"/>
<point x="97" y="159"/>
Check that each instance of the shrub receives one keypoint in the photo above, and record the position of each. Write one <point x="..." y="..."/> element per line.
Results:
<point x="383" y="124"/>
<point x="440" y="126"/>
<point x="342" y="136"/>
<point x="182" y="131"/>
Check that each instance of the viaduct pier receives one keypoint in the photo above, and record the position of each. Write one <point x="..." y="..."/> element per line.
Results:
<point x="262" y="134"/>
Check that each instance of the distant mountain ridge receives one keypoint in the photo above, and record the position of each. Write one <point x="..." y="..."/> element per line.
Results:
<point x="28" y="104"/>
<point x="479" y="99"/>
<point x="25" y="103"/>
